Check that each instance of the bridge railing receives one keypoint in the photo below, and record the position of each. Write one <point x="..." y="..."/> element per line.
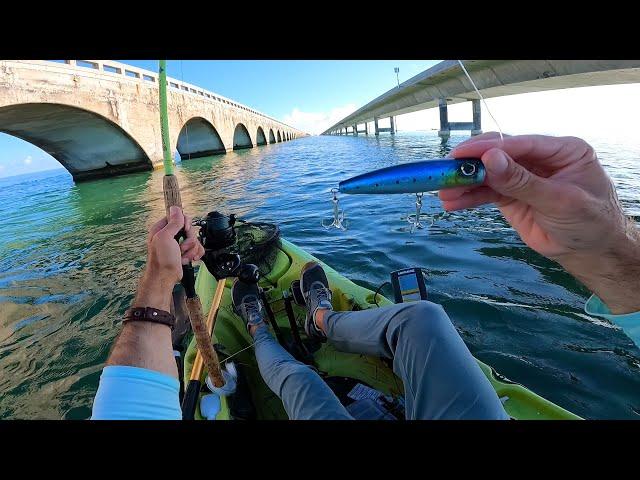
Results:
<point x="132" y="73"/>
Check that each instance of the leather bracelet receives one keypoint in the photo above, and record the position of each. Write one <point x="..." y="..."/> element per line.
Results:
<point x="149" y="314"/>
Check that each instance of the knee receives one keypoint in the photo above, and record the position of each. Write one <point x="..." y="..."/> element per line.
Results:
<point x="423" y="318"/>
<point x="284" y="368"/>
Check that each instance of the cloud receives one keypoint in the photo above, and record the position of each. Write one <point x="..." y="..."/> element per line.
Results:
<point x="317" y="122"/>
<point x="28" y="160"/>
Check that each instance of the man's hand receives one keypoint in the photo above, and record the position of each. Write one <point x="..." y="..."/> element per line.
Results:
<point x="165" y="258"/>
<point x="148" y="345"/>
<point x="557" y="196"/>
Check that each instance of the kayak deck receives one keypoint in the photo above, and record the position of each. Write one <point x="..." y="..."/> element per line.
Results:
<point x="231" y="335"/>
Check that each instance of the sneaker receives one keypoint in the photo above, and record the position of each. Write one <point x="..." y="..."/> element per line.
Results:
<point x="246" y="301"/>
<point x="317" y="294"/>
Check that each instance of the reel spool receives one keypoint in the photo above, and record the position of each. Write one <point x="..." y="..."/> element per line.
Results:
<point x="218" y="235"/>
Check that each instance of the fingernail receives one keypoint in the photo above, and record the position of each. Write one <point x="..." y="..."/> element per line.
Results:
<point x="173" y="210"/>
<point x="498" y="163"/>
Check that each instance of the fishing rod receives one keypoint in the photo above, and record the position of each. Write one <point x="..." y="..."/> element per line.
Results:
<point x="172" y="198"/>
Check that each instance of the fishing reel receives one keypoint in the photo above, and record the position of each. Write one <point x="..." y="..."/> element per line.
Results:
<point x="216" y="231"/>
<point x="217" y="235"/>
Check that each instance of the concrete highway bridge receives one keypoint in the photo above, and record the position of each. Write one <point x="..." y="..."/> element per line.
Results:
<point x="101" y="118"/>
<point x="445" y="84"/>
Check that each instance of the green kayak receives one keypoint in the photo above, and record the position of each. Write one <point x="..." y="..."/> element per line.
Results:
<point x="337" y="368"/>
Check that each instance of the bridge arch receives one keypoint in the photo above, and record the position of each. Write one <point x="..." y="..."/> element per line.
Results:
<point x="86" y="143"/>
<point x="279" y="137"/>
<point x="241" y="137"/>
<point x="260" y="138"/>
<point x="199" y="138"/>
<point x="272" y="138"/>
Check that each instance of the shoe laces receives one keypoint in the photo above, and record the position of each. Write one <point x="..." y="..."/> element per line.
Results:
<point x="252" y="310"/>
<point x="323" y="294"/>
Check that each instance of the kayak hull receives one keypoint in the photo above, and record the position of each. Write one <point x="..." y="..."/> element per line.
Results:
<point x="231" y="336"/>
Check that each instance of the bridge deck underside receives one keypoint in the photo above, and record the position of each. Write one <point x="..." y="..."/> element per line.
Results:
<point x="494" y="79"/>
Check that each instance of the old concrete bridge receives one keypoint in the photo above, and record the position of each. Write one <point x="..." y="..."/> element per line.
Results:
<point x="445" y="84"/>
<point x="101" y="118"/>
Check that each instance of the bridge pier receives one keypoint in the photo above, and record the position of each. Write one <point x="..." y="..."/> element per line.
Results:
<point x="446" y="126"/>
<point x="477" y="121"/>
<point x="375" y="125"/>
<point x="444" y="133"/>
<point x="391" y="128"/>
<point x="355" y="130"/>
<point x="362" y="131"/>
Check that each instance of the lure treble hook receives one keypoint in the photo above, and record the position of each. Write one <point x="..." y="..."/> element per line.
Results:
<point x="338" y="215"/>
<point x="414" y="218"/>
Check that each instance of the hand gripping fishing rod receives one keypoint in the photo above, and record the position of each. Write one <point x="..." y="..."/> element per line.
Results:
<point x="172" y="198"/>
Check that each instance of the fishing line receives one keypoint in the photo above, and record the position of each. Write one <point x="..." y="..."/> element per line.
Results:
<point x="239" y="351"/>
<point x="481" y="98"/>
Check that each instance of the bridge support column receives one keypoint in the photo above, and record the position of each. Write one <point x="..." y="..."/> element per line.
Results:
<point x="355" y="130"/>
<point x="445" y="132"/>
<point x="477" y="121"/>
<point x="366" y="128"/>
<point x="446" y="126"/>
<point x="392" y="128"/>
<point x="375" y="125"/>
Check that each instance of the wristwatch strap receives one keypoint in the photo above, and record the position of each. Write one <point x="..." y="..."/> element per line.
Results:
<point x="148" y="314"/>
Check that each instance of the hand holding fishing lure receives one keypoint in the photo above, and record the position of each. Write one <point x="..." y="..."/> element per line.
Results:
<point x="413" y="177"/>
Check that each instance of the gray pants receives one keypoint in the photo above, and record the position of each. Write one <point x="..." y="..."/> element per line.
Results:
<point x="441" y="378"/>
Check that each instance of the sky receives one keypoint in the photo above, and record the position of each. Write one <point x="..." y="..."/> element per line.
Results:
<point x="312" y="95"/>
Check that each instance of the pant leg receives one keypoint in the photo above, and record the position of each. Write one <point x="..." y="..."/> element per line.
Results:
<point x="304" y="394"/>
<point x="441" y="378"/>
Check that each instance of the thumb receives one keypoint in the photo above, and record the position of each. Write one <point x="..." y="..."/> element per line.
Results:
<point x="175" y="222"/>
<point x="511" y="179"/>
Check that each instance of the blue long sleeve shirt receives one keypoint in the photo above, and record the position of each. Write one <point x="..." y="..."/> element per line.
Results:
<point x="133" y="393"/>
<point x="629" y="322"/>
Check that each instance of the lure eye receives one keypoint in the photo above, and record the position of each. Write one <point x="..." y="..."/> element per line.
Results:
<point x="468" y="169"/>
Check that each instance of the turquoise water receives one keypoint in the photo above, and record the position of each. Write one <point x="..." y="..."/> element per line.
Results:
<point x="70" y="255"/>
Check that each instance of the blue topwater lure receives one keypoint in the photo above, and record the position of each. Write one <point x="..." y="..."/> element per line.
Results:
<point x="417" y="177"/>
<point x="413" y="177"/>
